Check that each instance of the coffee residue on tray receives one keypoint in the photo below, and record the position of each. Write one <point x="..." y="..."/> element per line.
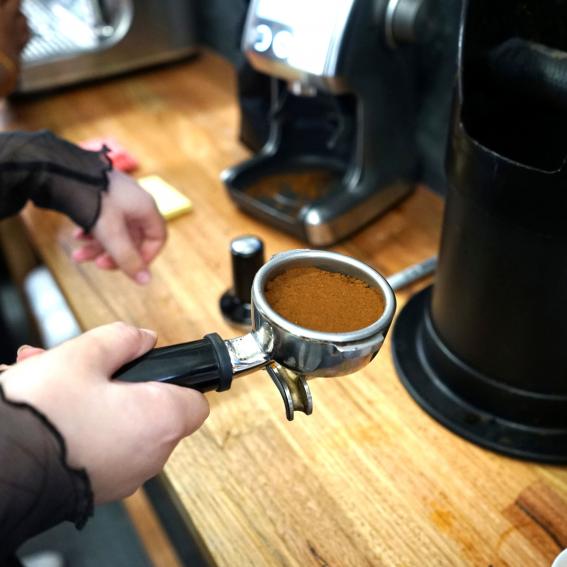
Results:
<point x="324" y="301"/>
<point x="299" y="187"/>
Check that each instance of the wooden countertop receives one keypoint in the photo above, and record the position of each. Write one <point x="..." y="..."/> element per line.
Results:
<point x="369" y="478"/>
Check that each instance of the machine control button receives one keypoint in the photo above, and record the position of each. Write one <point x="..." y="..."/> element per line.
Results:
<point x="282" y="44"/>
<point x="263" y="39"/>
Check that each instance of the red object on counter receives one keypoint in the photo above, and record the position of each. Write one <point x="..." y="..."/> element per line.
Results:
<point x="118" y="154"/>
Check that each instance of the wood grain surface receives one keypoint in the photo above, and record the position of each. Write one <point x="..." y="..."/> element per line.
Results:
<point x="369" y="479"/>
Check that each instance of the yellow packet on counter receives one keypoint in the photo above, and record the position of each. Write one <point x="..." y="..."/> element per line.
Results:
<point x="170" y="202"/>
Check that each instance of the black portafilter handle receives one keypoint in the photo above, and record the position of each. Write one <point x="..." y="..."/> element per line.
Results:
<point x="247" y="257"/>
<point x="202" y="365"/>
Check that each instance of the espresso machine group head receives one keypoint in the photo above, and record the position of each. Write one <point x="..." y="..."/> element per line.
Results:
<point x="341" y="143"/>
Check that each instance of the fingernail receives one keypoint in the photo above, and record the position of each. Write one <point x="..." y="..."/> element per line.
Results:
<point x="149" y="332"/>
<point x="143" y="277"/>
<point x="23" y="347"/>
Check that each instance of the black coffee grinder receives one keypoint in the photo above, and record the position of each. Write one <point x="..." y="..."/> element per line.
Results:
<point x="341" y="145"/>
<point x="484" y="351"/>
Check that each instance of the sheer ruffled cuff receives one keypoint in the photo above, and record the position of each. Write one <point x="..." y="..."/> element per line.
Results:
<point x="54" y="174"/>
<point x="37" y="488"/>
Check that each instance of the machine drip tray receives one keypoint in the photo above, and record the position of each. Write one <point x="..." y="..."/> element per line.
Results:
<point x="519" y="424"/>
<point x="315" y="198"/>
<point x="289" y="192"/>
<point x="281" y="193"/>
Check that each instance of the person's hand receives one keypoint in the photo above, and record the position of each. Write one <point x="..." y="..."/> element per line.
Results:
<point x="121" y="433"/>
<point x="14" y="34"/>
<point x="129" y="232"/>
<point x="25" y="351"/>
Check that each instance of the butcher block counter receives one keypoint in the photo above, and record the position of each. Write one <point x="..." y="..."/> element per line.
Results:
<point x="368" y="479"/>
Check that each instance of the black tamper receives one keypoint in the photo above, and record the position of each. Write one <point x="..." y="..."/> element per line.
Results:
<point x="247" y="255"/>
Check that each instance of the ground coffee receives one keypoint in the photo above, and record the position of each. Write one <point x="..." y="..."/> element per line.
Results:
<point x="301" y="187"/>
<point x="324" y="301"/>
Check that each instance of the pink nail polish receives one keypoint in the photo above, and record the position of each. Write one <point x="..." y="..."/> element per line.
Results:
<point x="143" y="277"/>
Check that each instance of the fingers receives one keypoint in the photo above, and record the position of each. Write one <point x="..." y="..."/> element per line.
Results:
<point x="116" y="240"/>
<point x="81" y="235"/>
<point x="130" y="230"/>
<point x="88" y="252"/>
<point x="151" y="247"/>
<point x="193" y="408"/>
<point x="175" y="412"/>
<point x="105" y="262"/>
<point x="153" y="234"/>
<point x="148" y="245"/>
<point x="92" y="250"/>
<point x="27" y="351"/>
<point x="107" y="348"/>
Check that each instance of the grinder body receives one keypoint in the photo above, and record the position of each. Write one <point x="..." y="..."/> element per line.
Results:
<point x="484" y="350"/>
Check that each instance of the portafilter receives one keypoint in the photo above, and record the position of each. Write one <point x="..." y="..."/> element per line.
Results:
<point x="291" y="354"/>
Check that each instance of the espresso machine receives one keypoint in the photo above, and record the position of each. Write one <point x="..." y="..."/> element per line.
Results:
<point x="340" y="146"/>
<point x="81" y="40"/>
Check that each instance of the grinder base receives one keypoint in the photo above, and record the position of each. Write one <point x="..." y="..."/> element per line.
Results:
<point x="467" y="402"/>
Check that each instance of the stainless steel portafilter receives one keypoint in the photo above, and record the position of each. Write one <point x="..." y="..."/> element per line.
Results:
<point x="291" y="354"/>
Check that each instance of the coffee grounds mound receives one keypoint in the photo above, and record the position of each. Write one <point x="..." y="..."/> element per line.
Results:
<point x="324" y="301"/>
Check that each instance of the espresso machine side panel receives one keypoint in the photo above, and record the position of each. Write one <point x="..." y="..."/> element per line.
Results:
<point x="127" y="35"/>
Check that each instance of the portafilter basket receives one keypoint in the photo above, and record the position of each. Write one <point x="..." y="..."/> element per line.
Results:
<point x="291" y="354"/>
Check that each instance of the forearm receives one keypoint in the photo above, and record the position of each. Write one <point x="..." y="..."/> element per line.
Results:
<point x="37" y="488"/>
<point x="52" y="173"/>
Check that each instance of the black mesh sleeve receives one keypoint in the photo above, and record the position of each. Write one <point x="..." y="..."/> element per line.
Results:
<point x="53" y="173"/>
<point x="37" y="488"/>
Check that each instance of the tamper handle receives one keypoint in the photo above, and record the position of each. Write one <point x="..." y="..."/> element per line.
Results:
<point x="202" y="365"/>
<point x="247" y="254"/>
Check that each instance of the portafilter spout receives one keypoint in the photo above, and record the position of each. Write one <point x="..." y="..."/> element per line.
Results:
<point x="291" y="354"/>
